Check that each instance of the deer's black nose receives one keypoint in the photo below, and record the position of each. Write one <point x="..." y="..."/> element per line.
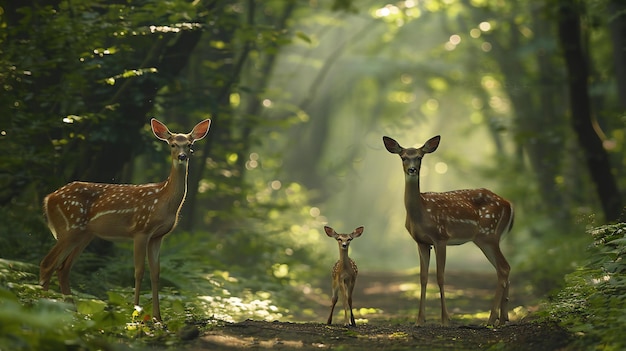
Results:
<point x="411" y="171"/>
<point x="182" y="157"/>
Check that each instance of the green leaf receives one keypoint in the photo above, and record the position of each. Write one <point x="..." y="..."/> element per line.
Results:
<point x="300" y="35"/>
<point x="117" y="298"/>
<point x="90" y="306"/>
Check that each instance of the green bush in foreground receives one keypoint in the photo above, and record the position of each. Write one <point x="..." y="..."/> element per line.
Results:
<point x="593" y="302"/>
<point x="32" y="319"/>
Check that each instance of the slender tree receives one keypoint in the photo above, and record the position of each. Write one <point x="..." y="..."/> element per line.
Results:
<point x="596" y="157"/>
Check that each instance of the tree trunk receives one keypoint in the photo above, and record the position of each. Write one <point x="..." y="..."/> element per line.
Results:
<point x="617" y="27"/>
<point x="581" y="119"/>
<point x="215" y="99"/>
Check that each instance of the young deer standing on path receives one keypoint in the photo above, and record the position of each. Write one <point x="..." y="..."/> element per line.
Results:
<point x="453" y="218"/>
<point x="344" y="274"/>
<point x="79" y="211"/>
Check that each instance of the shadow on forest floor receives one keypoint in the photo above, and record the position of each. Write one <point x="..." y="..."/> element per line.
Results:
<point x="385" y="306"/>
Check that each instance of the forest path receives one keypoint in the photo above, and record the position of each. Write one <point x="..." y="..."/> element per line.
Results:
<point x="385" y="306"/>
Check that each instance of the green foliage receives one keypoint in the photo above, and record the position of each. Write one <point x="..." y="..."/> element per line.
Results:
<point x="43" y="326"/>
<point x="593" y="302"/>
<point x="538" y="243"/>
<point x="28" y="323"/>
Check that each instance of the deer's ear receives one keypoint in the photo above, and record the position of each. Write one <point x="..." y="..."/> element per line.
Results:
<point x="392" y="145"/>
<point x="329" y="231"/>
<point x="431" y="145"/>
<point x="357" y="232"/>
<point x="160" y="130"/>
<point x="201" y="130"/>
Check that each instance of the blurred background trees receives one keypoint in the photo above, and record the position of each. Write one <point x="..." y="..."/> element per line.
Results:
<point x="528" y="97"/>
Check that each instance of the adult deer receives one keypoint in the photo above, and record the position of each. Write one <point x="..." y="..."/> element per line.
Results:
<point x="79" y="211"/>
<point x="344" y="274"/>
<point x="453" y="218"/>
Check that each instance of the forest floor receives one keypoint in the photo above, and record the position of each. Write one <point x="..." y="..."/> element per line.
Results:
<point x="385" y="306"/>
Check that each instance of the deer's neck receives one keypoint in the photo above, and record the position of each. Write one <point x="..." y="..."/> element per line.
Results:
<point x="412" y="196"/>
<point x="344" y="260"/>
<point x="176" y="185"/>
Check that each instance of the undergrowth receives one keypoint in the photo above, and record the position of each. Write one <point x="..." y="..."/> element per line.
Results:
<point x="202" y="286"/>
<point x="32" y="319"/>
<point x="257" y="270"/>
<point x="592" y="303"/>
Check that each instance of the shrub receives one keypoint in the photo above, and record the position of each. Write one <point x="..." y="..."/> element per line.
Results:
<point x="593" y="302"/>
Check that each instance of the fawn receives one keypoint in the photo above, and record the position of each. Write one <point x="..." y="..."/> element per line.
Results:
<point x="344" y="274"/>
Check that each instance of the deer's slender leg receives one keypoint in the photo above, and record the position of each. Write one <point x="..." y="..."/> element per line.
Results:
<point x="66" y="266"/>
<point x="351" y="289"/>
<point x="440" y="256"/>
<point x="53" y="261"/>
<point x="496" y="258"/>
<point x="344" y="299"/>
<point x="424" y="254"/>
<point x="139" y="258"/>
<point x="333" y="303"/>
<point x="154" y="247"/>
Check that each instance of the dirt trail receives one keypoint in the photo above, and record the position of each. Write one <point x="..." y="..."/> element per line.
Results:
<point x="385" y="308"/>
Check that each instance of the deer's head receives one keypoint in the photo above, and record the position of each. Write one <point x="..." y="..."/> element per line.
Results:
<point x="411" y="157"/>
<point x="343" y="239"/>
<point x="180" y="143"/>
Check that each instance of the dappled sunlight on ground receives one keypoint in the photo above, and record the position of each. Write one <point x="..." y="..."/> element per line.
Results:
<point x="255" y="342"/>
<point x="233" y="309"/>
<point x="395" y="295"/>
<point x="385" y="309"/>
